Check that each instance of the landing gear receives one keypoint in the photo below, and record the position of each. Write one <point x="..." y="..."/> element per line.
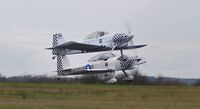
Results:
<point x="125" y="73"/>
<point x="121" y="52"/>
<point x="58" y="78"/>
<point x="128" y="78"/>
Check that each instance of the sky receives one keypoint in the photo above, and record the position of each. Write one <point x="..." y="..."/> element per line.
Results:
<point x="169" y="27"/>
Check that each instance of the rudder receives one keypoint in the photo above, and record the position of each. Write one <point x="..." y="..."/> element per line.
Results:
<point x="62" y="60"/>
<point x="57" y="40"/>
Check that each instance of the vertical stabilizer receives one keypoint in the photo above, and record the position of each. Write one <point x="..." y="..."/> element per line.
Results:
<point x="57" y="40"/>
<point x="62" y="60"/>
<point x="62" y="63"/>
<point x="59" y="65"/>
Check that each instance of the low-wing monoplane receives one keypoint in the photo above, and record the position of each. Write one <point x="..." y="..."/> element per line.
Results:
<point x="95" y="42"/>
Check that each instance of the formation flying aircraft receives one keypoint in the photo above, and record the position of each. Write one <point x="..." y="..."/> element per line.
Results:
<point x="95" y="42"/>
<point x="106" y="63"/>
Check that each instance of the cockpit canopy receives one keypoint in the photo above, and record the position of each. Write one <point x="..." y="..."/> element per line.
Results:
<point x="96" y="34"/>
<point x="102" y="56"/>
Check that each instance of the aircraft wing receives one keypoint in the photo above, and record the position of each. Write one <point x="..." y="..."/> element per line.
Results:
<point x="85" y="71"/>
<point x="81" y="46"/>
<point x="90" y="48"/>
<point x="133" y="46"/>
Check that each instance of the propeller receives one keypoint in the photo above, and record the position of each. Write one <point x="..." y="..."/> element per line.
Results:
<point x="137" y="61"/>
<point x="129" y="32"/>
<point x="128" y="28"/>
<point x="121" y="39"/>
<point x="125" y="63"/>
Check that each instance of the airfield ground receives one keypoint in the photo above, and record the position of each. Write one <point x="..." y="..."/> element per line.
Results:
<point x="97" y="96"/>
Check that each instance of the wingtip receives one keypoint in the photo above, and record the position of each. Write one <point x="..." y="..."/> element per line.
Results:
<point x="145" y="45"/>
<point x="49" y="48"/>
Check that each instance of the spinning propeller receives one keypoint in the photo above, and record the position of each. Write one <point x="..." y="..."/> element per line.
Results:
<point x="129" y="31"/>
<point x="126" y="62"/>
<point x="122" y="39"/>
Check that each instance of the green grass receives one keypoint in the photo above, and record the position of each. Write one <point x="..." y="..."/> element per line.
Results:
<point x="97" y="96"/>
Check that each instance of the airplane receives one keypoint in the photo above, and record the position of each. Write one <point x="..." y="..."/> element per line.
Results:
<point x="106" y="64"/>
<point x="95" y="42"/>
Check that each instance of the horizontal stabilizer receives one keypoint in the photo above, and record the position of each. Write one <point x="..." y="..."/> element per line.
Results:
<point x="134" y="46"/>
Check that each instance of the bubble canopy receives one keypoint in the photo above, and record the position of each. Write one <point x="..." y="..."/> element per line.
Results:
<point x="102" y="56"/>
<point x="96" y="34"/>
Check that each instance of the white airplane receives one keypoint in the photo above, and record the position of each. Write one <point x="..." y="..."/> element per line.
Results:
<point x="95" y="42"/>
<point x="103" y="63"/>
<point x="106" y="64"/>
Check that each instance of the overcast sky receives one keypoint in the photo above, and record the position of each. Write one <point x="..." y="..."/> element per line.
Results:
<point x="170" y="27"/>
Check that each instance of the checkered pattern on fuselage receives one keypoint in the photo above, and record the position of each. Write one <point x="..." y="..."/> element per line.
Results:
<point x="117" y="39"/>
<point x="125" y="64"/>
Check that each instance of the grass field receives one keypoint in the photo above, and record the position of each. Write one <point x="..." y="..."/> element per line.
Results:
<point x="97" y="96"/>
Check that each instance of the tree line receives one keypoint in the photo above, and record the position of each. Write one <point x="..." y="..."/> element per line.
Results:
<point x="139" y="79"/>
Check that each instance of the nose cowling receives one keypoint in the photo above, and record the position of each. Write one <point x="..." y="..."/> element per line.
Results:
<point x="117" y="38"/>
<point x="125" y="62"/>
<point x="122" y="38"/>
<point x="130" y="36"/>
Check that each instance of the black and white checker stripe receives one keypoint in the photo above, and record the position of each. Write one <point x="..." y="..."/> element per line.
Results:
<point x="60" y="53"/>
<point x="117" y="39"/>
<point x="126" y="63"/>
<point x="59" y="65"/>
<point x="55" y="44"/>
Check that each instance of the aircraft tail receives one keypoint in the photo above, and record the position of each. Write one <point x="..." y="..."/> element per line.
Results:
<point x="59" y="65"/>
<point x="62" y="63"/>
<point x="57" y="40"/>
<point x="62" y="60"/>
